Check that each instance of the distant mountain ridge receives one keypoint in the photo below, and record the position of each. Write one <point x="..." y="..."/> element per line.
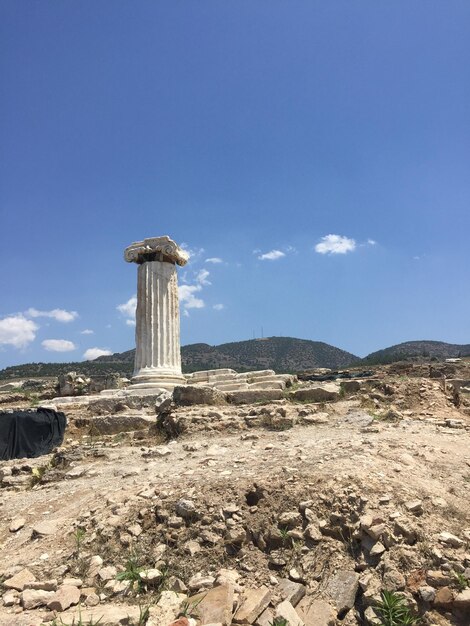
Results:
<point x="417" y="349"/>
<point x="283" y="354"/>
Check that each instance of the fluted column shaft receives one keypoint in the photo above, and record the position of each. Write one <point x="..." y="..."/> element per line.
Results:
<point x="157" y="323"/>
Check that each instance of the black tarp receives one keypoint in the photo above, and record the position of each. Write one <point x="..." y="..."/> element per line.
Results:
<point x="27" y="434"/>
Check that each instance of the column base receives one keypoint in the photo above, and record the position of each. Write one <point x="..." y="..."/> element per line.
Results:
<point x="150" y="378"/>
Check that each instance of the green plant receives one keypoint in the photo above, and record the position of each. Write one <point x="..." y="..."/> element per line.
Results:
<point x="132" y="572"/>
<point x="79" y="536"/>
<point x="144" y="614"/>
<point x="189" y="608"/>
<point x="284" y="532"/>
<point x="461" y="581"/>
<point x="80" y="622"/>
<point x="37" y="474"/>
<point x="279" y="621"/>
<point x="393" y="610"/>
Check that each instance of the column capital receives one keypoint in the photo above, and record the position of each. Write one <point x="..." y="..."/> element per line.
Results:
<point x="156" y="249"/>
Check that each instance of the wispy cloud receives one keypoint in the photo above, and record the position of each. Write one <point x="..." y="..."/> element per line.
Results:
<point x="335" y="244"/>
<point x="87" y="331"/>
<point x="127" y="309"/>
<point x="219" y="307"/>
<point x="273" y="255"/>
<point x="17" y="331"/>
<point x="58" y="345"/>
<point x="214" y="259"/>
<point x="60" y="315"/>
<point x="187" y="298"/>
<point x="94" y="353"/>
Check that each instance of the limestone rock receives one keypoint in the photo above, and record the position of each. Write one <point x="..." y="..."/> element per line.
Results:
<point x="167" y="608"/>
<point x="192" y="394"/>
<point x="462" y="600"/>
<point x="44" y="529"/>
<point x="316" y="612"/>
<point x="120" y="423"/>
<point x="214" y="606"/>
<point x="104" y="615"/>
<point x="291" y="591"/>
<point x="342" y="588"/>
<point x="286" y="611"/>
<point x="252" y="603"/>
<point x="17" y="524"/>
<point x="65" y="597"/>
<point x="327" y="392"/>
<point x="32" y="598"/>
<point x="19" y="580"/>
<point x="450" y="540"/>
<point x="45" y="585"/>
<point x="251" y="396"/>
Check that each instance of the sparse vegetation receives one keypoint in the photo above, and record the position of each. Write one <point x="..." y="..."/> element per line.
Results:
<point x="393" y="610"/>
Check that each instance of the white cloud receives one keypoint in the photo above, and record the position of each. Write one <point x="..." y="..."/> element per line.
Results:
<point x="87" y="331"/>
<point x="187" y="297"/>
<point x="202" y="276"/>
<point x="218" y="307"/>
<point x="58" y="345"/>
<point x="371" y="242"/>
<point x="94" y="353"/>
<point x="128" y="310"/>
<point x="214" y="259"/>
<point x="335" y="244"/>
<point x="271" y="256"/>
<point x="58" y="314"/>
<point x="17" y="331"/>
<point x="194" y="253"/>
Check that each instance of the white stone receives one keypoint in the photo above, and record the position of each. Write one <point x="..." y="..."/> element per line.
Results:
<point x="158" y="355"/>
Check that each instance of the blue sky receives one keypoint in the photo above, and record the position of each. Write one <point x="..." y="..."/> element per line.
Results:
<point x="241" y="129"/>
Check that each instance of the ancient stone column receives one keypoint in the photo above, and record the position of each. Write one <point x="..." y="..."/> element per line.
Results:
<point x="157" y="334"/>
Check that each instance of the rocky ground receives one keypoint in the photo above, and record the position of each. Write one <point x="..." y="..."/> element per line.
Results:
<point x="337" y="511"/>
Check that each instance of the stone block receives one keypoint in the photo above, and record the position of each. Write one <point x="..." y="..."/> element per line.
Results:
<point x="327" y="392"/>
<point x="252" y="603"/>
<point x="214" y="606"/>
<point x="192" y="394"/>
<point x="342" y="589"/>
<point x="254" y="395"/>
<point x="316" y="612"/>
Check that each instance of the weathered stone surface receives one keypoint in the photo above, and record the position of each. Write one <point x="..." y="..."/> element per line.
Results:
<point x="45" y="585"/>
<point x="316" y="612"/>
<point x="251" y="396"/>
<point x="158" y="354"/>
<point x="44" y="529"/>
<point x="105" y="615"/>
<point x="292" y="591"/>
<point x="252" y="603"/>
<point x="444" y="598"/>
<point x="450" y="540"/>
<point x="215" y="606"/>
<point x="192" y="394"/>
<point x="342" y="588"/>
<point x="462" y="600"/>
<point x="17" y="524"/>
<point x="327" y="392"/>
<point x="167" y="608"/>
<point x="32" y="598"/>
<point x="120" y="423"/>
<point x="65" y="597"/>
<point x="19" y="580"/>
<point x="286" y="611"/>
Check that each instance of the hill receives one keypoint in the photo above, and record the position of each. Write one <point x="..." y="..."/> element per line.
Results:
<point x="283" y="354"/>
<point x="412" y="350"/>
